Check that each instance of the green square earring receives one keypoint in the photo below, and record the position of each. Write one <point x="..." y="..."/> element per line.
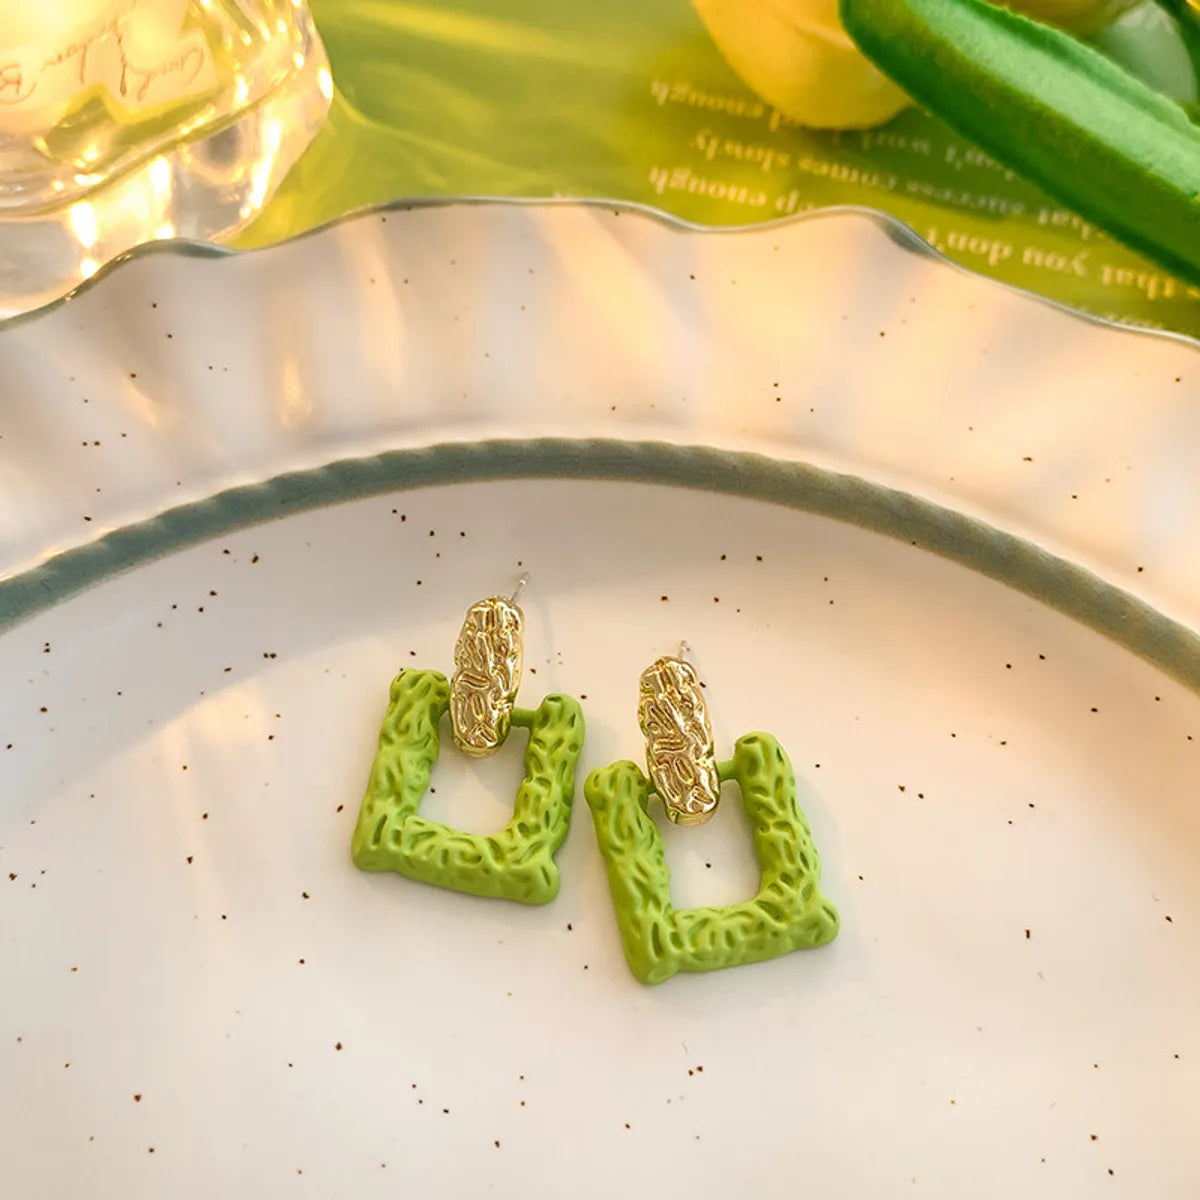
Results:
<point x="788" y="913"/>
<point x="518" y="862"/>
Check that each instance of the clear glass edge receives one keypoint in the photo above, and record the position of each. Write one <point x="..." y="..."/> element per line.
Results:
<point x="899" y="232"/>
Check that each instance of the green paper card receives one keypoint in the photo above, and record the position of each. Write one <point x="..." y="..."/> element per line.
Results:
<point x="631" y="100"/>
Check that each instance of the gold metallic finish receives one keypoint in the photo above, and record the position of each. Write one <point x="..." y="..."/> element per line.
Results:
<point x="679" y="743"/>
<point x="487" y="673"/>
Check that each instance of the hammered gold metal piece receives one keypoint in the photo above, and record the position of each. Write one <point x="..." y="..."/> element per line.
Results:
<point x="487" y="673"/>
<point x="680" y="758"/>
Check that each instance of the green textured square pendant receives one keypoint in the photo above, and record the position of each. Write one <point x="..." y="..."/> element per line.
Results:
<point x="515" y="864"/>
<point x="788" y="913"/>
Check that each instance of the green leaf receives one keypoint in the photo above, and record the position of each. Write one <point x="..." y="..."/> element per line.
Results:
<point x="1052" y="109"/>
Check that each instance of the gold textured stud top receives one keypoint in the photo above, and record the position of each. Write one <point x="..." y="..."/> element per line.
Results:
<point x="487" y="672"/>
<point x="680" y="758"/>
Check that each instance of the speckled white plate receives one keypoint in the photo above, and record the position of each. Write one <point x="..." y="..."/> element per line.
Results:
<point x="935" y="535"/>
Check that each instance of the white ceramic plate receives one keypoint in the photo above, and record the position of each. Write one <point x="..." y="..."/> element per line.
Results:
<point x="929" y="528"/>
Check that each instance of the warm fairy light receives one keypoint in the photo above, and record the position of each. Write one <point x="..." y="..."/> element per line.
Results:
<point x="83" y="224"/>
<point x="165" y="231"/>
<point x="88" y="267"/>
<point x="241" y="89"/>
<point x="264" y="168"/>
<point x="160" y="177"/>
<point x="298" y="60"/>
<point x="325" y="83"/>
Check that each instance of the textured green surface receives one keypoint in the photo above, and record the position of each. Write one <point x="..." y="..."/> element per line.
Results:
<point x="515" y="864"/>
<point x="789" y="911"/>
<point x="1056" y="111"/>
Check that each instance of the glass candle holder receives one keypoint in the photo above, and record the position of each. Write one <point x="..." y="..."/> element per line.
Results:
<point x="126" y="121"/>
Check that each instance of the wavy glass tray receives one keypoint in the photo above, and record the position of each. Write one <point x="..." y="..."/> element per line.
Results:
<point x="932" y="533"/>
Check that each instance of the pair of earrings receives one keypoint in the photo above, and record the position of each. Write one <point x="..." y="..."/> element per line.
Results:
<point x="787" y="913"/>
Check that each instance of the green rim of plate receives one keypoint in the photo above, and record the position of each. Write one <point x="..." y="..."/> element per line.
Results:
<point x="1070" y="589"/>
